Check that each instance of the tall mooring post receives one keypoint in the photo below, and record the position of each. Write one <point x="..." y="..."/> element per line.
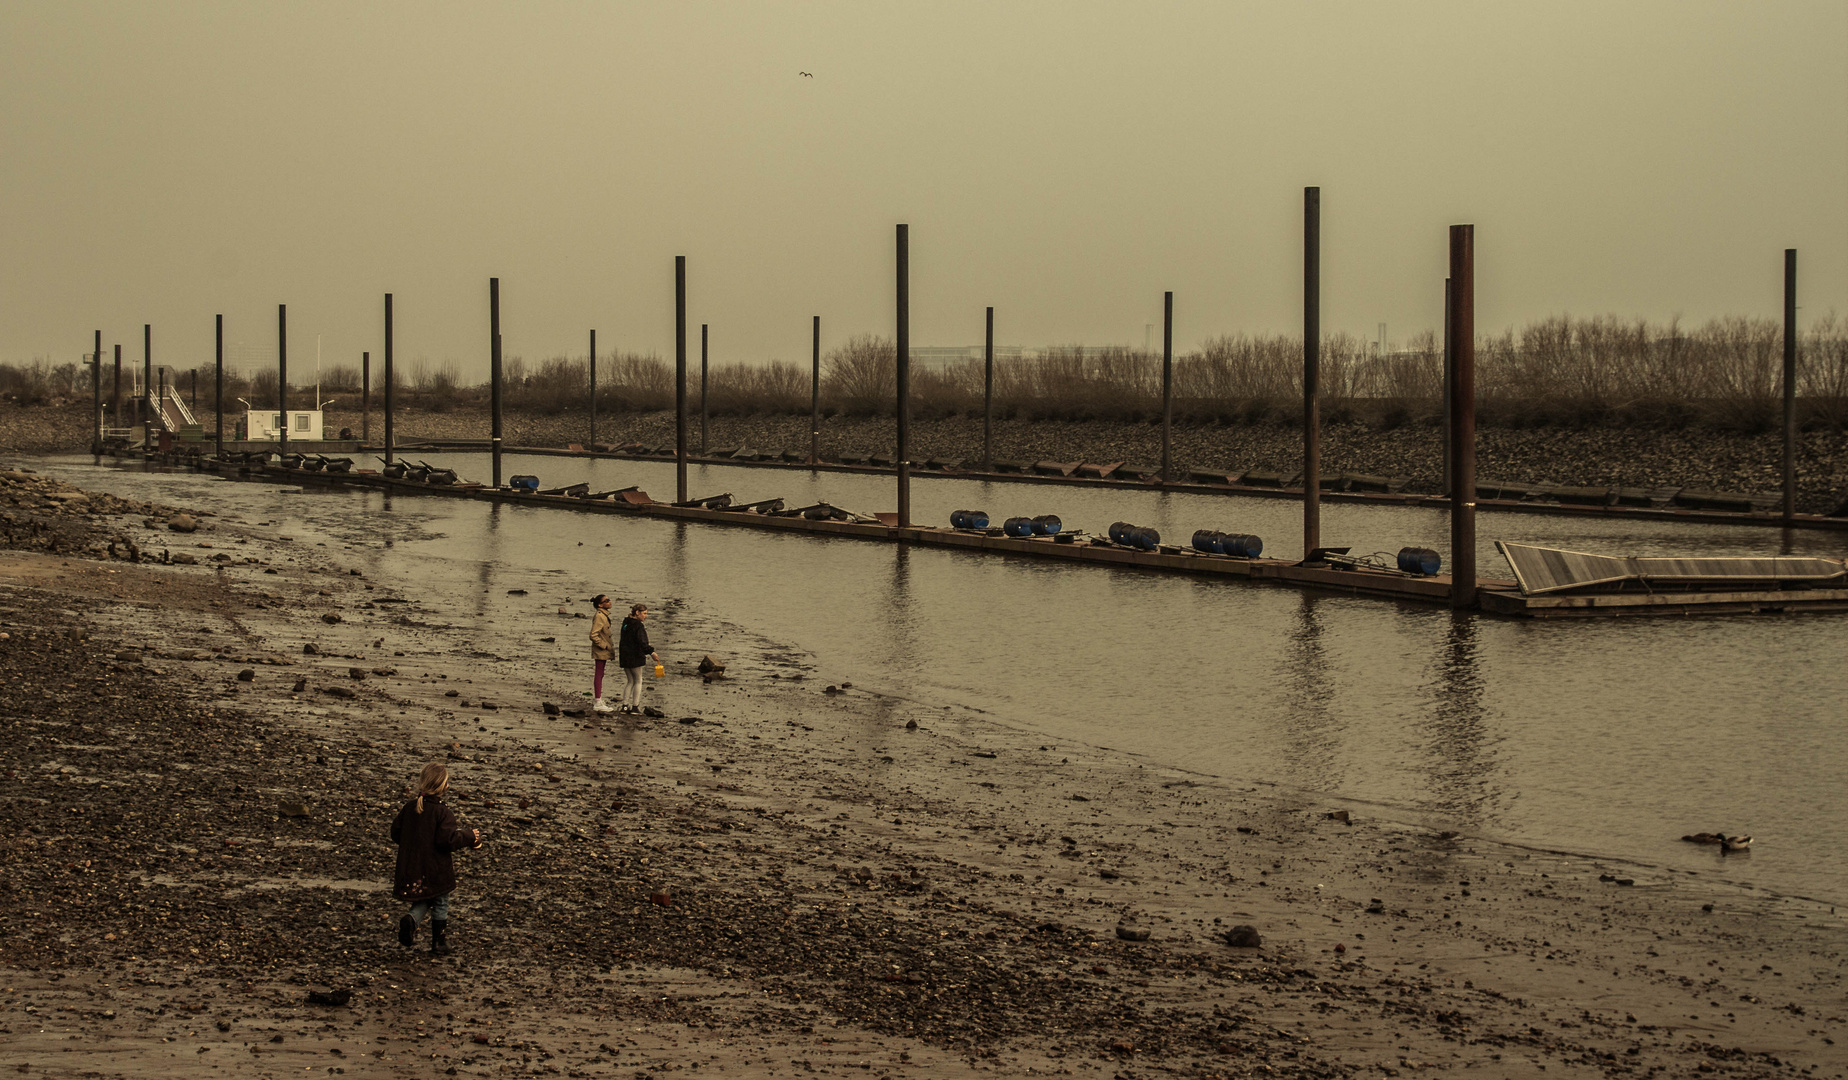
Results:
<point x="391" y="381"/>
<point x="96" y="394"/>
<point x="494" y="376"/>
<point x="904" y="379"/>
<point x="282" y="374"/>
<point x="1312" y="370"/>
<point x="815" y="394"/>
<point x="593" y="393"/>
<point x="988" y="395"/>
<point x="702" y="388"/>
<point x="115" y="393"/>
<point x="365" y="398"/>
<point x="680" y="378"/>
<point x="1790" y="384"/>
<point x="218" y="387"/>
<point x="1167" y="387"/>
<point x="1461" y="333"/>
<point x="147" y="374"/>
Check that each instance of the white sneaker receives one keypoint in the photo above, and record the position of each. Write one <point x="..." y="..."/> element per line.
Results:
<point x="603" y="707"/>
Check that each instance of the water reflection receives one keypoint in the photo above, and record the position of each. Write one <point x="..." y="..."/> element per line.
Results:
<point x="1458" y="764"/>
<point x="1310" y="728"/>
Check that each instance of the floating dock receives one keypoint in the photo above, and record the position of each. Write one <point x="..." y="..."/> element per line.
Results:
<point x="1547" y="584"/>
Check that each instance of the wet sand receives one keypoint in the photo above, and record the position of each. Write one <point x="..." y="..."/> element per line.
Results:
<point x="772" y="879"/>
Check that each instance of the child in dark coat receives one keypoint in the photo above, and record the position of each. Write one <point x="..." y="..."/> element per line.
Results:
<point x="426" y="831"/>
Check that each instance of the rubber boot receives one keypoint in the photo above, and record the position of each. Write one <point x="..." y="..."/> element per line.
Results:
<point x="407" y="931"/>
<point x="439" y="937"/>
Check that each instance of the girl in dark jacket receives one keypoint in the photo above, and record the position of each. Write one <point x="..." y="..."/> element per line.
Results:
<point x="632" y="650"/>
<point x="426" y="832"/>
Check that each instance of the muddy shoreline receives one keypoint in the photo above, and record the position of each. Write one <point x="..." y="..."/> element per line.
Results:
<point x="201" y="760"/>
<point x="1585" y="457"/>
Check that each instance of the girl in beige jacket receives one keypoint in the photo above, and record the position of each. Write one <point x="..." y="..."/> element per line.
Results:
<point x="602" y="649"/>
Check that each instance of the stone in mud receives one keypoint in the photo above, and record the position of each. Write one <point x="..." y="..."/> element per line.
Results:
<point x="1127" y="932"/>
<point x="708" y="666"/>
<point x="911" y="725"/>
<point x="300" y="685"/>
<point x="452" y="693"/>
<point x="311" y="649"/>
<point x="548" y="708"/>
<point x="331" y="618"/>
<point x="293" y="809"/>
<point x="183" y="558"/>
<point x="381" y="672"/>
<point x="340" y="691"/>
<point x="183" y="523"/>
<point x="1246" y="937"/>
<point x="335" y="998"/>
<point x="651" y="711"/>
<point x="356" y="673"/>
<point x="246" y="675"/>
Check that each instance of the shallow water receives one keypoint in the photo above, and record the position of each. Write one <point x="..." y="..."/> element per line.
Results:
<point x="1610" y="737"/>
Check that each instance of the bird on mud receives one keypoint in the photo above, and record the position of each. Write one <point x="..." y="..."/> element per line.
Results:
<point x="1734" y="843"/>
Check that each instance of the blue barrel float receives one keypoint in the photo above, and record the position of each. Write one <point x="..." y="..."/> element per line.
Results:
<point x="1239" y="545"/>
<point x="1047" y="525"/>
<point x="1420" y="561"/>
<point x="1018" y="526"/>
<point x="1137" y="536"/>
<point x="524" y="483"/>
<point x="968" y="519"/>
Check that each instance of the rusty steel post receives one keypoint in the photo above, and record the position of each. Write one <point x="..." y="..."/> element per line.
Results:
<point x="988" y="396"/>
<point x="1462" y="335"/>
<point x="680" y="378"/>
<point x="904" y="378"/>
<point x="1167" y="387"/>
<point x="115" y="392"/>
<point x="494" y="376"/>
<point x="1312" y="369"/>
<point x="218" y="389"/>
<point x="592" y="445"/>
<point x="815" y="396"/>
<point x="147" y="374"/>
<point x="703" y="412"/>
<point x="1790" y="384"/>
<point x="391" y="381"/>
<point x="282" y="374"/>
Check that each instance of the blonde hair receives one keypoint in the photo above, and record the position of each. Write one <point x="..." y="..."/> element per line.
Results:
<point x="434" y="781"/>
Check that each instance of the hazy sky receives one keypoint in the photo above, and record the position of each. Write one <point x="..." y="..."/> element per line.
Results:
<point x="1066" y="162"/>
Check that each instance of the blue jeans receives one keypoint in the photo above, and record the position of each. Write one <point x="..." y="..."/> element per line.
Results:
<point x="438" y="907"/>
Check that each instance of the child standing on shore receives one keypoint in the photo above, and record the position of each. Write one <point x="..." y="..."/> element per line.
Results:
<point x="426" y="831"/>
<point x="633" y="650"/>
<point x="602" y="649"/>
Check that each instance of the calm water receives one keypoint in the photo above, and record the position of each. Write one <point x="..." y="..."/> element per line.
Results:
<point x="1607" y="737"/>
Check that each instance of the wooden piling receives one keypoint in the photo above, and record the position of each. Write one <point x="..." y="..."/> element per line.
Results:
<point x="391" y="381"/>
<point x="904" y="378"/>
<point x="1312" y="369"/>
<point x="815" y="395"/>
<point x="1167" y="387"/>
<point x="494" y="376"/>
<point x="593" y="393"/>
<point x="96" y="395"/>
<point x="680" y="377"/>
<point x="1790" y="384"/>
<point x="365" y="398"/>
<point x="988" y="395"/>
<point x="1462" y="336"/>
<point x="218" y="387"/>
<point x="282" y="375"/>
<point x="702" y="388"/>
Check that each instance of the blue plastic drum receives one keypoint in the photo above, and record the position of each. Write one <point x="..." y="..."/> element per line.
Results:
<point x="1421" y="561"/>
<point x="1047" y="525"/>
<point x="1018" y="526"/>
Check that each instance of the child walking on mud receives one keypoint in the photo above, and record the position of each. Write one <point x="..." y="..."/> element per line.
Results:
<point x="426" y="832"/>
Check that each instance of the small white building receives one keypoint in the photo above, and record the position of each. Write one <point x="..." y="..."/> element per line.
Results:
<point x="266" y="426"/>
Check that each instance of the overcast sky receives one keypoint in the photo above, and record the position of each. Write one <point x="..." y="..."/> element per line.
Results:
<point x="1065" y="162"/>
